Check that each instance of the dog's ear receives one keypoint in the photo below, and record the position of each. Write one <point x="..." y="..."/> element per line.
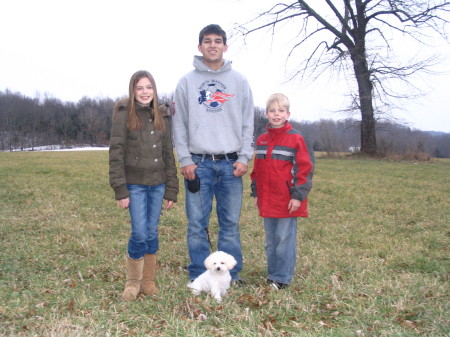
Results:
<point x="230" y="261"/>
<point x="208" y="262"/>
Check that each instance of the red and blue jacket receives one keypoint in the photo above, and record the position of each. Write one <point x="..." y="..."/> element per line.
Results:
<point x="283" y="170"/>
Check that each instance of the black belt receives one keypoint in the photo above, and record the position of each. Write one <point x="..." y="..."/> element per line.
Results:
<point x="232" y="155"/>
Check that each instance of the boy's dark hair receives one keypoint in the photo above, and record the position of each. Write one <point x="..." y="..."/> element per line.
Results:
<point x="212" y="29"/>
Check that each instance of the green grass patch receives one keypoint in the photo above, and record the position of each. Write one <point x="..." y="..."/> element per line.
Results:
<point x="373" y="258"/>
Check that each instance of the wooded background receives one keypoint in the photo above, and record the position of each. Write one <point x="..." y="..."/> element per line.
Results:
<point x="27" y="123"/>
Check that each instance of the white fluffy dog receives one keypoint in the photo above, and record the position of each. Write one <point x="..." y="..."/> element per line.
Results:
<point x="216" y="279"/>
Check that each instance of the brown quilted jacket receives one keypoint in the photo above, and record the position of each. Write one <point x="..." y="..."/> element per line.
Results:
<point x="141" y="157"/>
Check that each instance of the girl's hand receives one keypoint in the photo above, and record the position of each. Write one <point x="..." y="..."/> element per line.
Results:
<point x="168" y="204"/>
<point x="123" y="203"/>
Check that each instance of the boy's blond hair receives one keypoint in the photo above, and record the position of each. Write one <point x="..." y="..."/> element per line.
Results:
<point x="281" y="99"/>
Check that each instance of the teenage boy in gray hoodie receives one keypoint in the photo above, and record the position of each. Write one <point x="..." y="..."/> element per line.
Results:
<point x="213" y="133"/>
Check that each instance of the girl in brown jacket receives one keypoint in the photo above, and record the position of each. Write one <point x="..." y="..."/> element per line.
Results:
<point x="142" y="172"/>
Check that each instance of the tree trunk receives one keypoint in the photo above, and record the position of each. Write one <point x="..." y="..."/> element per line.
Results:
<point x="368" y="125"/>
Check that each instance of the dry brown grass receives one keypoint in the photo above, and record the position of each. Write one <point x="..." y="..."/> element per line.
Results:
<point x="372" y="258"/>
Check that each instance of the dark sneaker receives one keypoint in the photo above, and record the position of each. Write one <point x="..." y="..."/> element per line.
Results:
<point x="237" y="283"/>
<point x="277" y="285"/>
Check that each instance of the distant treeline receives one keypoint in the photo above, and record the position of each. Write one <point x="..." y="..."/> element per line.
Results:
<point x="27" y="123"/>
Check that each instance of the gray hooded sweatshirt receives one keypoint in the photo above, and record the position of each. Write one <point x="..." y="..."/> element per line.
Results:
<point x="213" y="113"/>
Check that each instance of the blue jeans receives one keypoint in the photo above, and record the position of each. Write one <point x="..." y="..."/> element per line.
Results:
<point x="281" y="248"/>
<point x="145" y="209"/>
<point x="216" y="180"/>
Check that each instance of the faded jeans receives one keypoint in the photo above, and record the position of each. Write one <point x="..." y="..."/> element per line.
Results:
<point x="145" y="210"/>
<point x="216" y="180"/>
<point x="281" y="248"/>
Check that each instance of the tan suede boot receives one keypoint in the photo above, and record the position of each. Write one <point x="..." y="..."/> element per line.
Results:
<point x="134" y="276"/>
<point x="148" y="280"/>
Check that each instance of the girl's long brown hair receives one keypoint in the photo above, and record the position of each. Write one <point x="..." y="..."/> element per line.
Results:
<point x="134" y="122"/>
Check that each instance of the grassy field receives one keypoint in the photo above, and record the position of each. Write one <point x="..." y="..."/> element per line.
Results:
<point x="373" y="257"/>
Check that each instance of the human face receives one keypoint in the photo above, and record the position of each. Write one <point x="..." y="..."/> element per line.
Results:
<point x="277" y="115"/>
<point x="212" y="49"/>
<point x="143" y="93"/>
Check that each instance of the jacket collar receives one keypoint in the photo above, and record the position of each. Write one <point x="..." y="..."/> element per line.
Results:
<point x="140" y="109"/>
<point x="278" y="131"/>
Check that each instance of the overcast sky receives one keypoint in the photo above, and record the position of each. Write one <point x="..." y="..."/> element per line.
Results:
<point x="70" y="49"/>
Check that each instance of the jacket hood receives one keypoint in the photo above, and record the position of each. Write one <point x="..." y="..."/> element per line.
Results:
<point x="200" y="66"/>
<point x="120" y="104"/>
<point x="165" y="110"/>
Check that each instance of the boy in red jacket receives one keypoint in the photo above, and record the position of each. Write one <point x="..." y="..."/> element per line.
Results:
<point x="281" y="180"/>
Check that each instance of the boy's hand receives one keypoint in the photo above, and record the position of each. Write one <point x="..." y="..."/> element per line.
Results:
<point x="294" y="205"/>
<point x="239" y="169"/>
<point x="256" y="202"/>
<point x="188" y="172"/>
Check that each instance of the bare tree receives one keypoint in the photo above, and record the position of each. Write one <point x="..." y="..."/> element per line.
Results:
<point x="337" y="37"/>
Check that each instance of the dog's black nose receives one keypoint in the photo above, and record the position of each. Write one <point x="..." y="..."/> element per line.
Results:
<point x="218" y="268"/>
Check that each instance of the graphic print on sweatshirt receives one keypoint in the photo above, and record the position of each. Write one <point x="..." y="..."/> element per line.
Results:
<point x="213" y="95"/>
